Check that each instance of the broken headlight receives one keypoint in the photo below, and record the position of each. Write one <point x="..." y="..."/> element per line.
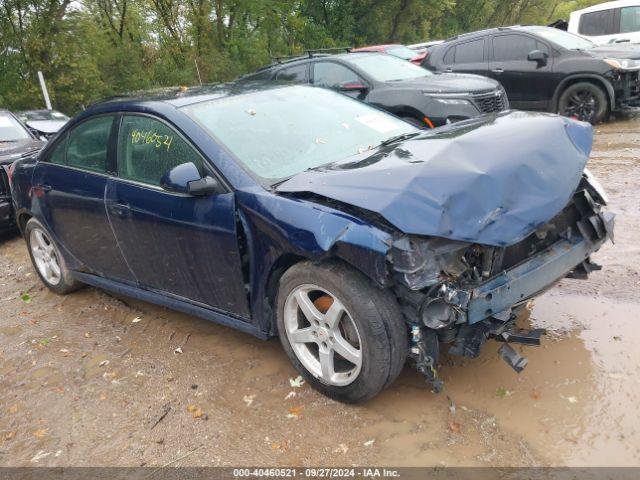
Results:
<point x="423" y="262"/>
<point x="595" y="184"/>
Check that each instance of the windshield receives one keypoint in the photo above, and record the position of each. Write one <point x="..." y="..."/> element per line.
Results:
<point x="401" y="51"/>
<point x="281" y="132"/>
<point x="37" y="115"/>
<point x="11" y="130"/>
<point x="386" y="68"/>
<point x="561" y="38"/>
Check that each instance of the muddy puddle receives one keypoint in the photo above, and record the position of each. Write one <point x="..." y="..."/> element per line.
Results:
<point x="90" y="379"/>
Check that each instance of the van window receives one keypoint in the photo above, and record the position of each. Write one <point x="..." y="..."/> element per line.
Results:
<point x="597" y="23"/>
<point x="629" y="19"/>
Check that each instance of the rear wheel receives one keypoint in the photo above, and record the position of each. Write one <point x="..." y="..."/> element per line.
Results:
<point x="584" y="101"/>
<point x="343" y="334"/>
<point x="47" y="260"/>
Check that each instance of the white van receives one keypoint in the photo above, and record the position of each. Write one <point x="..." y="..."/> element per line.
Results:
<point x="610" y="22"/>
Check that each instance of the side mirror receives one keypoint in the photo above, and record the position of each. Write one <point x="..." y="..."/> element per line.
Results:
<point x="538" y="56"/>
<point x="186" y="178"/>
<point x="352" y="86"/>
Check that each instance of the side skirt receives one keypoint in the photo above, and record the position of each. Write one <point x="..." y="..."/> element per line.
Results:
<point x="170" y="302"/>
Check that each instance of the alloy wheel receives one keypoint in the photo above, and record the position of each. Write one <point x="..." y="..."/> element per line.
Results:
<point x="323" y="335"/>
<point x="582" y="105"/>
<point x="44" y="256"/>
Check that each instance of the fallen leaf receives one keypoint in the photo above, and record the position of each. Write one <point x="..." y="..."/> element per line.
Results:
<point x="282" y="445"/>
<point x="136" y="320"/>
<point x="296" y="382"/>
<point x="45" y="341"/>
<point x="342" y="448"/>
<point x="503" y="392"/>
<point x="368" y="443"/>
<point x="294" y="412"/>
<point x="570" y="399"/>
<point x="248" y="399"/>
<point x="178" y="350"/>
<point x="41" y="432"/>
<point x="454" y="427"/>
<point x="26" y="298"/>
<point x="87" y="335"/>
<point x="10" y="435"/>
<point x="39" y="456"/>
<point x="103" y="396"/>
<point x="290" y="395"/>
<point x="103" y="363"/>
<point x="196" y="412"/>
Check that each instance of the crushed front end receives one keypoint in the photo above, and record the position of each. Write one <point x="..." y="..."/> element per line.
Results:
<point x="463" y="294"/>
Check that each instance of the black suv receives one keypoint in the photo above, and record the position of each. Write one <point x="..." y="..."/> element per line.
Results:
<point x="406" y="90"/>
<point x="544" y="68"/>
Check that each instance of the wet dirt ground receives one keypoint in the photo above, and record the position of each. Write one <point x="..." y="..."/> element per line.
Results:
<point x="89" y="379"/>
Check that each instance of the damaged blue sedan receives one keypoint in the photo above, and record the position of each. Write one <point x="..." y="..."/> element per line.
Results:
<point x="297" y="212"/>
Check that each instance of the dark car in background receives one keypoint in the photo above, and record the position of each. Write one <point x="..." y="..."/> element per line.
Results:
<point x="406" y="90"/>
<point x="543" y="68"/>
<point x="16" y="142"/>
<point x="43" y="123"/>
<point x="400" y="51"/>
<point x="358" y="239"/>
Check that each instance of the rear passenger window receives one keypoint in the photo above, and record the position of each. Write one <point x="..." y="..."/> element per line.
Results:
<point x="629" y="19"/>
<point x="449" y="56"/>
<point x="147" y="149"/>
<point x="87" y="144"/>
<point x="297" y="74"/>
<point x="597" y="23"/>
<point x="514" y="47"/>
<point x="470" y="52"/>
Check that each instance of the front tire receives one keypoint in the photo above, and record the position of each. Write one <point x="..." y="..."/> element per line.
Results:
<point x="47" y="260"/>
<point x="584" y="101"/>
<point x="343" y="334"/>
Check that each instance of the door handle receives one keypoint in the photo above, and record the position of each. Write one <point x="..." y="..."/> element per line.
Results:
<point x="498" y="70"/>
<point x="121" y="210"/>
<point x="43" y="187"/>
<point x="448" y="70"/>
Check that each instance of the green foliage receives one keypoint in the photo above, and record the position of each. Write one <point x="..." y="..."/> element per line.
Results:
<point x="94" y="48"/>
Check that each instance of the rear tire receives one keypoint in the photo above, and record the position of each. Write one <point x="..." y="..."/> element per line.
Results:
<point x="333" y="314"/>
<point x="584" y="101"/>
<point x="47" y="260"/>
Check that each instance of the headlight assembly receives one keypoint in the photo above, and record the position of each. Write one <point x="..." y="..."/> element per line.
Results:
<point x="623" y="63"/>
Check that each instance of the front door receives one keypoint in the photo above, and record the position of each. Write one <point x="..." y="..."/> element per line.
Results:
<point x="529" y="84"/>
<point x="69" y="185"/>
<point x="178" y="244"/>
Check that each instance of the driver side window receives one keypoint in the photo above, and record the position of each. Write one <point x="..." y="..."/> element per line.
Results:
<point x="329" y="74"/>
<point x="147" y="149"/>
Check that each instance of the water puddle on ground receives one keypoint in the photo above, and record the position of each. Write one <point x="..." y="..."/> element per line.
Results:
<point x="575" y="403"/>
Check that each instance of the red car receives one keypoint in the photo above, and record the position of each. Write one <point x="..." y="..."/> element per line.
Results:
<point x="396" y="50"/>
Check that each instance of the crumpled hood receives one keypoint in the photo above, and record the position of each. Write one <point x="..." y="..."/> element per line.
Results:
<point x="491" y="180"/>
<point x="11" y="151"/>
<point x="449" y="83"/>
<point x="46" y="126"/>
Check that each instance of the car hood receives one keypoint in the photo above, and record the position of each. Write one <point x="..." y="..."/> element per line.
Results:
<point x="449" y="83"/>
<point x="46" y="126"/>
<point x="626" y="50"/>
<point x="491" y="180"/>
<point x="11" y="151"/>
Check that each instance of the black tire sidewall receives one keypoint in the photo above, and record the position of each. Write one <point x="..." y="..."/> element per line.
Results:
<point x="383" y="350"/>
<point x="67" y="283"/>
<point x="601" y="98"/>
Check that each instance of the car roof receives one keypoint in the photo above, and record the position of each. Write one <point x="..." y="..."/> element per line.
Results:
<point x="307" y="58"/>
<point x="183" y="95"/>
<point x="479" y="33"/>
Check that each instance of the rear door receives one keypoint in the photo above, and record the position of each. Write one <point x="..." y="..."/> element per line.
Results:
<point x="69" y="183"/>
<point x="467" y="57"/>
<point x="177" y="244"/>
<point x="529" y="85"/>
